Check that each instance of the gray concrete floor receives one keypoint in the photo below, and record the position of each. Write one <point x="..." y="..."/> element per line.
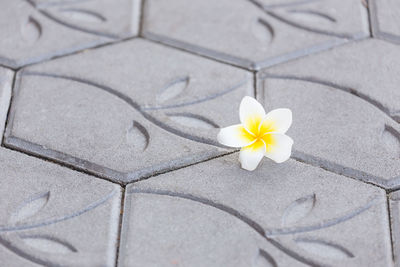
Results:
<point x="109" y="112"/>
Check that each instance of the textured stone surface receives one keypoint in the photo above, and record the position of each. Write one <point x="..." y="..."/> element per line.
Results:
<point x="127" y="110"/>
<point x="6" y="77"/>
<point x="216" y="214"/>
<point x="345" y="104"/>
<point x="148" y="112"/>
<point x="31" y="31"/>
<point x="52" y="216"/>
<point x="385" y="19"/>
<point x="248" y="34"/>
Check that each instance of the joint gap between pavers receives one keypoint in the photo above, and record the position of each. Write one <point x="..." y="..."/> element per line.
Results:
<point x="111" y="42"/>
<point x="369" y="16"/>
<point x="255" y="84"/>
<point x="141" y="18"/>
<point x="390" y="224"/>
<point x="348" y="42"/>
<point x="181" y="167"/>
<point x="341" y="174"/>
<point x="68" y="166"/>
<point x="9" y="67"/>
<point x="9" y="108"/>
<point x="197" y="54"/>
<point x="373" y="19"/>
<point x="391" y="190"/>
<point x="121" y="215"/>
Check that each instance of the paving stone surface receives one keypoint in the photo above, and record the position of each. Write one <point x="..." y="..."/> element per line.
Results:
<point x="254" y="34"/>
<point x="216" y="214"/>
<point x="356" y="130"/>
<point x="384" y="19"/>
<point x="32" y="31"/>
<point x="52" y="216"/>
<point x="109" y="112"/>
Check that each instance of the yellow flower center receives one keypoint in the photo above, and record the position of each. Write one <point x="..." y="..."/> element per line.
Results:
<point x="259" y="130"/>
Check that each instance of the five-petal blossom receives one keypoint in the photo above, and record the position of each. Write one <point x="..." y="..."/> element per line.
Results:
<point x="259" y="134"/>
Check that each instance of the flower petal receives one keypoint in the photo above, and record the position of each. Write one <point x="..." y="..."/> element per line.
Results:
<point x="277" y="120"/>
<point x="251" y="113"/>
<point x="235" y="136"/>
<point x="250" y="156"/>
<point x="278" y="146"/>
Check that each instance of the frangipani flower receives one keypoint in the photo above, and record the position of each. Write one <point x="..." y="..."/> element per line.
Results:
<point x="259" y="134"/>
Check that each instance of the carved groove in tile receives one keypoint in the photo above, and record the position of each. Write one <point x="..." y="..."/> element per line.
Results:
<point x="324" y="248"/>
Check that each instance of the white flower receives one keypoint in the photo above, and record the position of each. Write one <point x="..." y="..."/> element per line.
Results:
<point x="259" y="134"/>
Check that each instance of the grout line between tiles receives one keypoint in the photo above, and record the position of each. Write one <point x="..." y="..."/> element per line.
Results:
<point x="120" y="225"/>
<point x="390" y="225"/>
<point x="3" y="134"/>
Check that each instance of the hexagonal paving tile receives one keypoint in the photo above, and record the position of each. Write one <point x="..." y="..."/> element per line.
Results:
<point x="53" y="216"/>
<point x="6" y="77"/>
<point x="385" y="20"/>
<point x="35" y="30"/>
<point x="346" y="106"/>
<point x="127" y="110"/>
<point x="216" y="214"/>
<point x="254" y="34"/>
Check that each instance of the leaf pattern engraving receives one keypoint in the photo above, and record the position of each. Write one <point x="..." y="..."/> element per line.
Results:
<point x="264" y="259"/>
<point x="263" y="31"/>
<point x="30" y="207"/>
<point x="324" y="249"/>
<point x="31" y="31"/>
<point x="391" y="141"/>
<point x="298" y="209"/>
<point x="192" y="120"/>
<point x="82" y="15"/>
<point x="48" y="244"/>
<point x="173" y="89"/>
<point x="311" y="16"/>
<point x="137" y="136"/>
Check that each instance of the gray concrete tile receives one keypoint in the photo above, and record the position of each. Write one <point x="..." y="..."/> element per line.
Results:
<point x="251" y="34"/>
<point x="32" y="31"/>
<point x="6" y="77"/>
<point x="385" y="19"/>
<point x="127" y="110"/>
<point x="216" y="214"/>
<point x="346" y="109"/>
<point x="53" y="216"/>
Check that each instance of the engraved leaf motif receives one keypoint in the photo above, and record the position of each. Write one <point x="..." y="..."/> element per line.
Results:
<point x="137" y="136"/>
<point x="48" y="244"/>
<point x="192" y="120"/>
<point x="298" y="209"/>
<point x="30" y="207"/>
<point x="311" y="16"/>
<point x="263" y="31"/>
<point x="31" y="31"/>
<point x="264" y="259"/>
<point x="82" y="15"/>
<point x="173" y="89"/>
<point x="391" y="140"/>
<point x="324" y="249"/>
